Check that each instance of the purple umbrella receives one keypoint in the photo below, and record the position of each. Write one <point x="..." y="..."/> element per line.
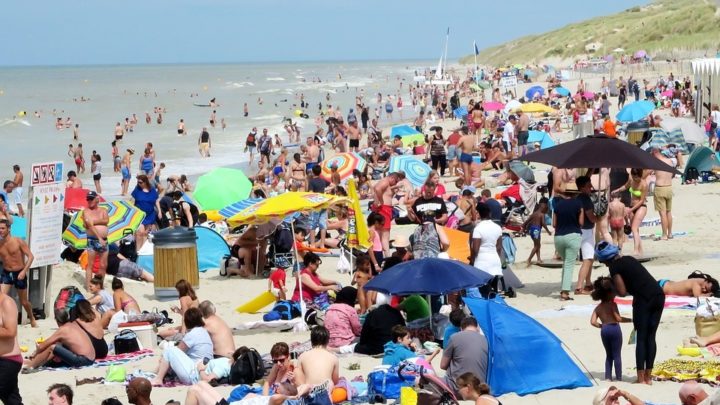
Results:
<point x="640" y="54"/>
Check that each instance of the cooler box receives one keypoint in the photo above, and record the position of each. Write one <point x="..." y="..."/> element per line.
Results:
<point x="145" y="331"/>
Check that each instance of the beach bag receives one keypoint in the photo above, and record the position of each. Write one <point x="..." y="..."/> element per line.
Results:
<point x="509" y="248"/>
<point x="248" y="367"/>
<point x="600" y="203"/>
<point x="707" y="319"/>
<point x="126" y="342"/>
<point x="127" y="246"/>
<point x="283" y="310"/>
<point x="115" y="373"/>
<point x="387" y="381"/>
<point x="692" y="174"/>
<point x="66" y="299"/>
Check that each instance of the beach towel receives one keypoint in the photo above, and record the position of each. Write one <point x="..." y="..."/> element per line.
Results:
<point x="681" y="370"/>
<point x="671" y="302"/>
<point x="110" y="360"/>
<point x="296" y="324"/>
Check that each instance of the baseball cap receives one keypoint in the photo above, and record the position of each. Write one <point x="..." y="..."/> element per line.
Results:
<point x="469" y="189"/>
<point x="91" y="195"/>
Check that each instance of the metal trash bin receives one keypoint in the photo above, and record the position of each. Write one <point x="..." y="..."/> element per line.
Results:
<point x="174" y="258"/>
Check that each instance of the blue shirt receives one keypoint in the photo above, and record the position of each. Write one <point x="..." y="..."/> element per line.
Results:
<point x="449" y="331"/>
<point x="495" y="210"/>
<point x="146" y="202"/>
<point x="395" y="353"/>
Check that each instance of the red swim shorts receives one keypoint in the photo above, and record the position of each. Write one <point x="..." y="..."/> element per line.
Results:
<point x="387" y="212"/>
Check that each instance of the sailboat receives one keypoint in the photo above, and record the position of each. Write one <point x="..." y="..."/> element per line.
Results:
<point x="439" y="78"/>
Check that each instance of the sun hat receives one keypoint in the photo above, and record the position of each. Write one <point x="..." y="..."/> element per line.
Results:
<point x="401" y="241"/>
<point x="600" y="395"/>
<point x="606" y="251"/>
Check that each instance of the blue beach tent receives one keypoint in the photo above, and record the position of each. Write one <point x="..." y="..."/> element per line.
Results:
<point x="524" y="357"/>
<point x="211" y="247"/>
<point x="542" y="137"/>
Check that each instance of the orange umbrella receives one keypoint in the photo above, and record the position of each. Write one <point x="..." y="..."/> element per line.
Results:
<point x="459" y="244"/>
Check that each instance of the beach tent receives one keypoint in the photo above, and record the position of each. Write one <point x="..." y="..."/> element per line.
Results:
<point x="660" y="138"/>
<point x="703" y="159"/>
<point x="542" y="137"/>
<point x="408" y="135"/>
<point x="692" y="132"/>
<point x="524" y="356"/>
<point x="211" y="248"/>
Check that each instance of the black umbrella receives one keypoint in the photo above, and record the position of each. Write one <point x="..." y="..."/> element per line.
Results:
<point x="596" y="152"/>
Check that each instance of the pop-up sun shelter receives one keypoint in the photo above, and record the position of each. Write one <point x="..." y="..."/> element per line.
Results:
<point x="211" y="247"/>
<point x="524" y="357"/>
<point x="408" y="135"/>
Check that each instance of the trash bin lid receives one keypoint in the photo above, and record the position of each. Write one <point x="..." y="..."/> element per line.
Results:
<point x="178" y="234"/>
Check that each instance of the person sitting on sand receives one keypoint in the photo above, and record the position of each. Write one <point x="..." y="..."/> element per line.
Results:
<point x="312" y="283"/>
<point x="104" y="301"/>
<point x="376" y="329"/>
<point x="203" y="393"/>
<point x="74" y="344"/>
<point x="401" y="347"/>
<point x="692" y="287"/>
<point x="123" y="301"/>
<point x="472" y="389"/>
<point x="220" y="332"/>
<point x="282" y="370"/>
<point x="318" y="365"/>
<point x="188" y="299"/>
<point x="195" y="346"/>
<point x="341" y="319"/>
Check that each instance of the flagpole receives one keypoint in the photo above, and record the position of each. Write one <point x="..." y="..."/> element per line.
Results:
<point x="476" y="65"/>
<point x="447" y="38"/>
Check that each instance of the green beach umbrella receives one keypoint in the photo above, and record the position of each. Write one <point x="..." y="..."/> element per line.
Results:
<point x="474" y="86"/>
<point x="221" y="187"/>
<point x="483" y="84"/>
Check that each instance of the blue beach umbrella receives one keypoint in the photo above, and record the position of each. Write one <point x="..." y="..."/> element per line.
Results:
<point x="460" y="112"/>
<point x="416" y="171"/>
<point x="530" y="93"/>
<point x="635" y="111"/>
<point x="428" y="276"/>
<point x="562" y="91"/>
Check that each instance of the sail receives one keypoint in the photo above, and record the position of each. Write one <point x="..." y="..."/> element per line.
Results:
<point x="439" y="71"/>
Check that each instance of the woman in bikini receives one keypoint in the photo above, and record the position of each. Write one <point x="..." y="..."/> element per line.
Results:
<point x="282" y="368"/>
<point x="188" y="300"/>
<point x="122" y="300"/>
<point x="637" y="186"/>
<point x="296" y="175"/>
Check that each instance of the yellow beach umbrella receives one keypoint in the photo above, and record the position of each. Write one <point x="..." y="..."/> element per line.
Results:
<point x="280" y="206"/>
<point x="358" y="235"/>
<point x="537" y="108"/>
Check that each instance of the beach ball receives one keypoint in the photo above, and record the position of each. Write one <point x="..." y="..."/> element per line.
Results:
<point x="338" y="395"/>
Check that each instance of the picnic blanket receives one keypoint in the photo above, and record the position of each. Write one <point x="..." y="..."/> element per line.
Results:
<point x="671" y="302"/>
<point x="680" y="370"/>
<point x="110" y="360"/>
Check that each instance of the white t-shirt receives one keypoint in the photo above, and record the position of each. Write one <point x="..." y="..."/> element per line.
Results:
<point x="487" y="258"/>
<point x="508" y="132"/>
<point x="716" y="116"/>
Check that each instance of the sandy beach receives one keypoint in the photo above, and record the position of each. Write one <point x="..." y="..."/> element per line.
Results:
<point x="570" y="321"/>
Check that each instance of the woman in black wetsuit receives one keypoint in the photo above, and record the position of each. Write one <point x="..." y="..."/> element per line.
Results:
<point x="632" y="278"/>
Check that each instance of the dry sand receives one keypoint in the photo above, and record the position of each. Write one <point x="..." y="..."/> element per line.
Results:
<point x="674" y="260"/>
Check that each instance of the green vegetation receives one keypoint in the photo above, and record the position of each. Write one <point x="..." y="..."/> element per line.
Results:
<point x="662" y="28"/>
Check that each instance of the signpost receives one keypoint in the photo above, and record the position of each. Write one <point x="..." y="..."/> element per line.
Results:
<point x="46" y="204"/>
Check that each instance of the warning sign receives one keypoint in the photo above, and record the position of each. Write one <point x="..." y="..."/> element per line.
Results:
<point x="46" y="173"/>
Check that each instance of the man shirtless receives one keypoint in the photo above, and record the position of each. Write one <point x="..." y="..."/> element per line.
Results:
<point x="521" y="132"/>
<point x="664" y="195"/>
<point x="466" y="145"/>
<point x="120" y="132"/>
<point x="18" y="191"/>
<point x="79" y="158"/>
<point x="220" y="333"/>
<point x="312" y="153"/>
<point x="11" y="360"/>
<point x="16" y="259"/>
<point x="95" y="219"/>
<point x="354" y="136"/>
<point x="69" y="346"/>
<point x="73" y="181"/>
<point x="318" y="365"/>
<point x="383" y="192"/>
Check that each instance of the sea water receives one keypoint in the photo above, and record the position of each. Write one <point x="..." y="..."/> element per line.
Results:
<point x="116" y="92"/>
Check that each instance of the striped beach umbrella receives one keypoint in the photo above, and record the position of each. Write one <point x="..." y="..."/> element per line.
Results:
<point x="345" y="163"/>
<point x="234" y="208"/>
<point x="282" y="205"/>
<point x="416" y="171"/>
<point x="121" y="216"/>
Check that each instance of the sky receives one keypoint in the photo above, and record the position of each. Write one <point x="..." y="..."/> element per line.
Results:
<point x="82" y="32"/>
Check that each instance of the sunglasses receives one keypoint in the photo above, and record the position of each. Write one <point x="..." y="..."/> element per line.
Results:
<point x="279" y="361"/>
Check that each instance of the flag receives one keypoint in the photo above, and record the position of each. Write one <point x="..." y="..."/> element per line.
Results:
<point x="477" y="52"/>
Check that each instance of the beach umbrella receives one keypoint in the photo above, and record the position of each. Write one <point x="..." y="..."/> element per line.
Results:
<point x="541" y="137"/>
<point x="521" y="170"/>
<point x="537" y="108"/>
<point x="588" y="95"/>
<point x="667" y="93"/>
<point x="76" y="199"/>
<point x="597" y="151"/>
<point x="475" y="86"/>
<point x="460" y="112"/>
<point x="635" y="111"/>
<point x="484" y="84"/>
<point x="562" y="91"/>
<point x="221" y="187"/>
<point x="428" y="276"/>
<point x="345" y="163"/>
<point x="534" y="91"/>
<point x="18" y="228"/>
<point x="640" y="54"/>
<point x="692" y="132"/>
<point x="122" y="216"/>
<point x="415" y="170"/>
<point x="236" y="207"/>
<point x="407" y="134"/>
<point x="661" y="138"/>
<point x="493" y="106"/>
<point x="282" y="205"/>
<point x="511" y="106"/>
<point x="530" y="73"/>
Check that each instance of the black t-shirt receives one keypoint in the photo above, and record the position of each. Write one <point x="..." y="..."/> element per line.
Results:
<point x="113" y="263"/>
<point x="587" y="206"/>
<point x="317" y="185"/>
<point x="638" y="281"/>
<point x="567" y="211"/>
<point x="429" y="210"/>
<point x="495" y="210"/>
<point x="376" y="329"/>
<point x="205" y="137"/>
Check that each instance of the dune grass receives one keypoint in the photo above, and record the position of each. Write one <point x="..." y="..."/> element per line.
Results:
<point x="662" y="28"/>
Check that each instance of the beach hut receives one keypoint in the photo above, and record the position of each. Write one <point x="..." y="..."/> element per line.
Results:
<point x="524" y="356"/>
<point x="707" y="79"/>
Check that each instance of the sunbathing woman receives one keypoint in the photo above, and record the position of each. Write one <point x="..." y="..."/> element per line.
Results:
<point x="122" y="300"/>
<point x="693" y="287"/>
<point x="188" y="300"/>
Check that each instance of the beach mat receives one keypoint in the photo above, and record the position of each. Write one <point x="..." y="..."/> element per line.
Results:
<point x="671" y="302"/>
<point x="111" y="360"/>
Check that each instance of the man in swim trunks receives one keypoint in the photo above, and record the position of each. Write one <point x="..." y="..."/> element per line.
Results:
<point x="663" y="195"/>
<point x="354" y="135"/>
<point x="79" y="158"/>
<point x="466" y="145"/>
<point x="11" y="360"/>
<point x="521" y="132"/>
<point x="181" y="127"/>
<point x="119" y="131"/>
<point x="383" y="192"/>
<point x="125" y="171"/>
<point x="18" y="191"/>
<point x="16" y="259"/>
<point x="311" y="155"/>
<point x="95" y="219"/>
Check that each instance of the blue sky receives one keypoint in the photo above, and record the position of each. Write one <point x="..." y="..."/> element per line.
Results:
<point x="79" y="32"/>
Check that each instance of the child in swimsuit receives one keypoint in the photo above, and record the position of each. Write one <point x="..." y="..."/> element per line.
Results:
<point x="534" y="225"/>
<point x="616" y="219"/>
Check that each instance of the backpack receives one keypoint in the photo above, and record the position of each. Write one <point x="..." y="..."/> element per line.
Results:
<point x="66" y="299"/>
<point x="265" y="145"/>
<point x="283" y="310"/>
<point x="248" y="367"/>
<point x="127" y="246"/>
<point x="282" y="240"/>
<point x="425" y="241"/>
<point x="692" y="174"/>
<point x="250" y="138"/>
<point x="386" y="382"/>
